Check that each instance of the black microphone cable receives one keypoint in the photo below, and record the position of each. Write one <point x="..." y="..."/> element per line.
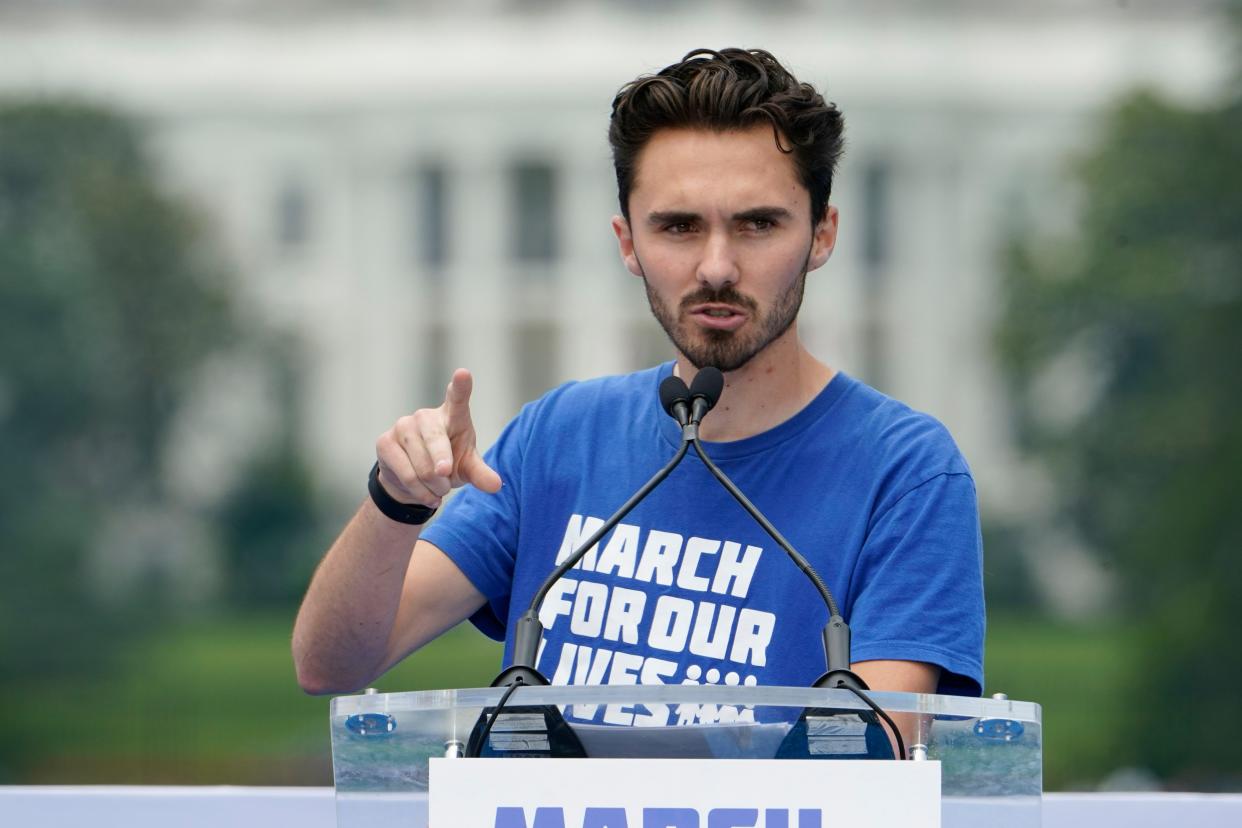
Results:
<point x="475" y="747"/>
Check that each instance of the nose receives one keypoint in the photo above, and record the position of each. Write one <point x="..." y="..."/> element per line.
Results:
<point x="718" y="267"/>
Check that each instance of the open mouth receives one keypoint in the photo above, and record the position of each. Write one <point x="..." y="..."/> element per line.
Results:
<point x="719" y="317"/>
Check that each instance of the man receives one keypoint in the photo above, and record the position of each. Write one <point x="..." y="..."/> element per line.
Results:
<point x="724" y="166"/>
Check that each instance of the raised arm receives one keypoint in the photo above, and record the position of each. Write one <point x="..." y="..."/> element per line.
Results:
<point x="380" y="592"/>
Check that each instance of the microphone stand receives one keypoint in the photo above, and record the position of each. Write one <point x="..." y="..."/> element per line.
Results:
<point x="836" y="633"/>
<point x="836" y="637"/>
<point x="705" y="392"/>
<point x="529" y="629"/>
<point x="560" y="740"/>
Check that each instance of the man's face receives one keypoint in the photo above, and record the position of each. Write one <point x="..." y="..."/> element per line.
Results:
<point x="720" y="233"/>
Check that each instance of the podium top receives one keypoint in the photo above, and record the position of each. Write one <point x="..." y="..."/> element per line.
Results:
<point x="382" y="742"/>
<point x="476" y="698"/>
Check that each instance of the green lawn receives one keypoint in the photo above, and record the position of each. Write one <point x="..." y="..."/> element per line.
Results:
<point x="216" y="703"/>
<point x="1077" y="674"/>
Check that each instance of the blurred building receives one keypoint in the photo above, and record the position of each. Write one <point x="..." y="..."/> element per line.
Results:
<point x="415" y="186"/>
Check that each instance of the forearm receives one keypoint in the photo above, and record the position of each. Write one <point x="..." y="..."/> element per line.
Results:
<point x="340" y="638"/>
<point x="902" y="677"/>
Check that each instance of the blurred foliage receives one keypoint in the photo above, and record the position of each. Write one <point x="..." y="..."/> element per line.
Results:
<point x="1124" y="345"/>
<point x="111" y="301"/>
<point x="1008" y="581"/>
<point x="106" y="306"/>
<point x="271" y="532"/>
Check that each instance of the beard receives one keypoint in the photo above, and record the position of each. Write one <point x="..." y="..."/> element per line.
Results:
<point x="727" y="350"/>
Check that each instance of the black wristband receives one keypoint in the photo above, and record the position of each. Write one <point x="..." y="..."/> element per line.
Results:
<point x="414" y="514"/>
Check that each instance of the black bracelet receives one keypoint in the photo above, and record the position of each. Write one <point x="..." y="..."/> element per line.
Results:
<point x="414" y="514"/>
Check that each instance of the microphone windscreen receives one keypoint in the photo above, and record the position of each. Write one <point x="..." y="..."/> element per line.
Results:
<point x="709" y="384"/>
<point x="672" y="391"/>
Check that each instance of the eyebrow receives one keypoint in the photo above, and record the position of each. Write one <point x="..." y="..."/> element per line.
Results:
<point x="671" y="217"/>
<point x="762" y="214"/>
<point x="753" y="214"/>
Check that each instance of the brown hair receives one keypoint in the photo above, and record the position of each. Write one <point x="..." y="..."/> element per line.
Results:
<point x="728" y="90"/>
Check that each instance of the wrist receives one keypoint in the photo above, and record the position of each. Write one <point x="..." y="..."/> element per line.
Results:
<point x="413" y="514"/>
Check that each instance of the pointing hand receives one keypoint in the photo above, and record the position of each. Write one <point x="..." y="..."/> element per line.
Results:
<point x="432" y="451"/>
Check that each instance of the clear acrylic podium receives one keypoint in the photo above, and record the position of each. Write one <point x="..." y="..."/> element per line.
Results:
<point x="990" y="750"/>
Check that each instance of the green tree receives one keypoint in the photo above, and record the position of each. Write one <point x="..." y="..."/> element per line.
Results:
<point x="1143" y="309"/>
<point x="109" y="301"/>
<point x="270" y="525"/>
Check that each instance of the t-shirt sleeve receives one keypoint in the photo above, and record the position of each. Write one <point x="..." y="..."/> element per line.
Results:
<point x="479" y="531"/>
<point x="922" y="571"/>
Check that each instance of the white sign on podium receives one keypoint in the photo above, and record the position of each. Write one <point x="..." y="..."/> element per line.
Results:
<point x="683" y="793"/>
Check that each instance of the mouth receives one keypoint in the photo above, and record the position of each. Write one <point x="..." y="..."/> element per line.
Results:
<point x="716" y="316"/>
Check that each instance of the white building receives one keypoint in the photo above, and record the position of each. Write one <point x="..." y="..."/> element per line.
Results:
<point x="412" y="187"/>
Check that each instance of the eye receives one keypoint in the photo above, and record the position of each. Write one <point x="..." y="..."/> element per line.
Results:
<point x="679" y="228"/>
<point x="759" y="225"/>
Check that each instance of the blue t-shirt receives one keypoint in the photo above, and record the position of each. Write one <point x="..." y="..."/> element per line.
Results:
<point x="688" y="588"/>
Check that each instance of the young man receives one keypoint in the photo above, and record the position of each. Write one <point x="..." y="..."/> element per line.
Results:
<point x="724" y="166"/>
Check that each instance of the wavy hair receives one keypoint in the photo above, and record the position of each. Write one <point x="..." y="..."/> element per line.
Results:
<point x="729" y="90"/>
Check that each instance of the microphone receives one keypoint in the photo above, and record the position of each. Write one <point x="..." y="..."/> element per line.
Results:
<point x="705" y="391"/>
<point x="675" y="399"/>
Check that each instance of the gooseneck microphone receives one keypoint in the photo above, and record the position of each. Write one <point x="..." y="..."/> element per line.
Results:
<point x="543" y="726"/>
<point x="676" y="400"/>
<point x="705" y="392"/>
<point x="688" y="406"/>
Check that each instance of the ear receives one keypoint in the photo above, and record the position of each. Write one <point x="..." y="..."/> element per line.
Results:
<point x="625" y="241"/>
<point x="825" y="238"/>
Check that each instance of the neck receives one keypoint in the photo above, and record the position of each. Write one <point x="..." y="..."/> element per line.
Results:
<point x="765" y="392"/>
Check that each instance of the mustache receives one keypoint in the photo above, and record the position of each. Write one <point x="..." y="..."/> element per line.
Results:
<point x="726" y="295"/>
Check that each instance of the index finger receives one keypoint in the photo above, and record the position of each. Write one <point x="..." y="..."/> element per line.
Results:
<point x="457" y="401"/>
